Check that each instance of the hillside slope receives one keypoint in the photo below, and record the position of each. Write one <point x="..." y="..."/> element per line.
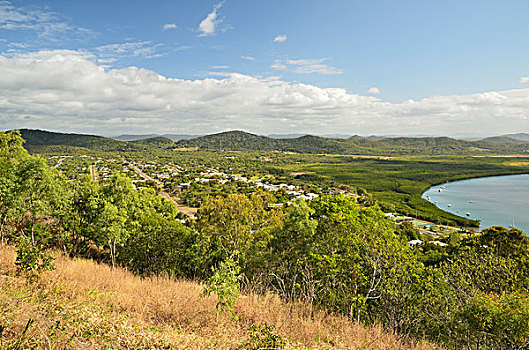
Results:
<point x="39" y="138"/>
<point x="40" y="141"/>
<point x="82" y="304"/>
<point x="240" y="140"/>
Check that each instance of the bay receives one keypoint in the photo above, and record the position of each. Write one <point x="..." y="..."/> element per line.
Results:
<point x="496" y="200"/>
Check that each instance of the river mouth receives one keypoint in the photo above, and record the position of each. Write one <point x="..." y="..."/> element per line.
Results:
<point x="495" y="200"/>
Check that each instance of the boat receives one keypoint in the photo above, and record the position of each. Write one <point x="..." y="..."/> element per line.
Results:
<point x="440" y="190"/>
<point x="471" y="201"/>
<point x="449" y="205"/>
<point x="468" y="214"/>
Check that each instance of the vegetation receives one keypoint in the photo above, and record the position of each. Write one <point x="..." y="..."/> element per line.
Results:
<point x="239" y="140"/>
<point x="337" y="253"/>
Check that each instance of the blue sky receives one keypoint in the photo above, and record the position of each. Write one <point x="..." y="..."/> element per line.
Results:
<point x="354" y="67"/>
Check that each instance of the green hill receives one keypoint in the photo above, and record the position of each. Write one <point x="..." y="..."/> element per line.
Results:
<point x="35" y="139"/>
<point x="503" y="139"/>
<point x="42" y="141"/>
<point x="240" y="140"/>
<point x="159" y="141"/>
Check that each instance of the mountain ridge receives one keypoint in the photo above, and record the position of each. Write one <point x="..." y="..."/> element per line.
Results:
<point x="240" y="140"/>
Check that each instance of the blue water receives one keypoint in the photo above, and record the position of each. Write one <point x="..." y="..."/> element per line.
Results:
<point x="497" y="200"/>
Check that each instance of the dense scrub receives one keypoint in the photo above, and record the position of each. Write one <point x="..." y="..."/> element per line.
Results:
<point x="328" y="253"/>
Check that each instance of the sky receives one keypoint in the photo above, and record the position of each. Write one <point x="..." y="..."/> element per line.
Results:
<point x="384" y="67"/>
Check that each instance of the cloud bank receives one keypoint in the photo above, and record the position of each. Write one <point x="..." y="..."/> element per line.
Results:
<point x="69" y="91"/>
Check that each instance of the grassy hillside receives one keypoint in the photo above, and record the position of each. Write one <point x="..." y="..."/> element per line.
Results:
<point x="82" y="304"/>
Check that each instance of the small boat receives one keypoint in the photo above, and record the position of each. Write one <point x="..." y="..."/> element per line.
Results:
<point x="471" y="201"/>
<point x="449" y="205"/>
<point x="468" y="214"/>
<point x="440" y="190"/>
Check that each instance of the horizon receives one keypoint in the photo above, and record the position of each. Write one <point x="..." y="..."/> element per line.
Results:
<point x="271" y="135"/>
<point x="380" y="68"/>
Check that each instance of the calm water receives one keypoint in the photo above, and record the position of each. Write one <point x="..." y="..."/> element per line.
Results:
<point x="497" y="200"/>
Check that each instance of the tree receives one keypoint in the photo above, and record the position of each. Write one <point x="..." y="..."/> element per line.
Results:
<point x="236" y="223"/>
<point x="291" y="247"/>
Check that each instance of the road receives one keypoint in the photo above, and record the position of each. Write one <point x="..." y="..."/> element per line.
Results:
<point x="58" y="163"/>
<point x="93" y="172"/>
<point x="189" y="212"/>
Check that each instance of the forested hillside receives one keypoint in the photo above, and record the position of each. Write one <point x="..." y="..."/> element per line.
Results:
<point x="328" y="254"/>
<point x="239" y="140"/>
<point x="38" y="140"/>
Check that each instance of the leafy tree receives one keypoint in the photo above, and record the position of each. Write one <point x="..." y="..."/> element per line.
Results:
<point x="493" y="321"/>
<point x="160" y="246"/>
<point x="236" y="223"/>
<point x="291" y="247"/>
<point x="224" y="282"/>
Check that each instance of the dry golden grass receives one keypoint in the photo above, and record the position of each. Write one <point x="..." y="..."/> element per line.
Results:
<point x="85" y="305"/>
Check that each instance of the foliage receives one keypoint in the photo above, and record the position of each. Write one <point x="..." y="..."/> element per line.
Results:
<point x="263" y="336"/>
<point x="494" y="321"/>
<point x="239" y="140"/>
<point x="225" y="284"/>
<point x="332" y="252"/>
<point x="32" y="260"/>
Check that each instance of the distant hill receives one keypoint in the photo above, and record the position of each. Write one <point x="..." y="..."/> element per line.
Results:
<point x="159" y="141"/>
<point x="39" y="140"/>
<point x="173" y="137"/>
<point x="293" y="136"/>
<point x="240" y="140"/>
<point x="503" y="139"/>
<point x="125" y="137"/>
<point x="232" y="140"/>
<point x="36" y="138"/>
<point x="509" y="138"/>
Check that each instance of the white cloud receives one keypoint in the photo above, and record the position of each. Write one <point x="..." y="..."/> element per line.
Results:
<point x="69" y="91"/>
<point x="248" y="58"/>
<point x="373" y="91"/>
<point x="145" y="49"/>
<point x="307" y="66"/>
<point x="524" y="80"/>
<point x="168" y="26"/>
<point x="280" y="38"/>
<point x="208" y="25"/>
<point x="46" y="24"/>
<point x="279" y="66"/>
<point x="220" y="67"/>
<point x="183" y="48"/>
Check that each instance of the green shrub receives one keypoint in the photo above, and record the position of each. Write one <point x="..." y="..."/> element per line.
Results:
<point x="264" y="337"/>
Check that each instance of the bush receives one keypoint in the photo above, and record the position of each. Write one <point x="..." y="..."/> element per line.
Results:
<point x="32" y="259"/>
<point x="494" y="321"/>
<point x="264" y="337"/>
